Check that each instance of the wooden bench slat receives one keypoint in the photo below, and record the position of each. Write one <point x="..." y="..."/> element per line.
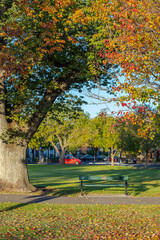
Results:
<point x="104" y="185"/>
<point x="114" y="178"/>
<point x="103" y="178"/>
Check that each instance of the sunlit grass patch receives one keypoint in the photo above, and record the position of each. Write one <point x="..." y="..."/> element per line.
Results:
<point x="64" y="180"/>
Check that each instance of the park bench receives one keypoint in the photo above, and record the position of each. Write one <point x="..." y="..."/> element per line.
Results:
<point x="108" y="181"/>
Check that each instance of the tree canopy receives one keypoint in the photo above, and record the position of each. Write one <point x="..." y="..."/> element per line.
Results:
<point x="45" y="52"/>
<point x="62" y="128"/>
<point x="128" y="35"/>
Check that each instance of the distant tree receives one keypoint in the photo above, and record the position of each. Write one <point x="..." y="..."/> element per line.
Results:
<point x="96" y="134"/>
<point x="111" y="137"/>
<point x="139" y="131"/>
<point x="104" y="134"/>
<point x="63" y="125"/>
<point x="129" y="141"/>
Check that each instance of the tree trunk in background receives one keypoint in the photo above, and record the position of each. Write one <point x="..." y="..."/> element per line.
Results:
<point x="42" y="155"/>
<point x="112" y="156"/>
<point x="146" y="159"/>
<point x="95" y="150"/>
<point x="33" y="155"/>
<point x="37" y="156"/>
<point x="47" y="157"/>
<point x="62" y="156"/>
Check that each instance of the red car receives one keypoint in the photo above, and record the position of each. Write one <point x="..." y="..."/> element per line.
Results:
<point x="72" y="160"/>
<point x="116" y="159"/>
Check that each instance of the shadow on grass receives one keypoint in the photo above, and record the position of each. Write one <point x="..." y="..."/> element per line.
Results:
<point x="62" y="190"/>
<point x="142" y="187"/>
<point x="36" y="199"/>
<point x="60" y="177"/>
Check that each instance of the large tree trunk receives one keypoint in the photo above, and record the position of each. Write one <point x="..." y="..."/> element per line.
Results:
<point x="13" y="169"/>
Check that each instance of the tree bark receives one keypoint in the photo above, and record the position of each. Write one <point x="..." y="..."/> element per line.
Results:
<point x="13" y="167"/>
<point x="112" y="156"/>
<point x="62" y="156"/>
<point x="146" y="158"/>
<point x="33" y="155"/>
<point x="42" y="155"/>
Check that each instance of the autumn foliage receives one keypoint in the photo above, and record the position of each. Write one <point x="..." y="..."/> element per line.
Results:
<point x="42" y="56"/>
<point x="37" y="29"/>
<point x="129" y="37"/>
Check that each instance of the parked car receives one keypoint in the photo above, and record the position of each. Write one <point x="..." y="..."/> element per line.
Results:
<point x="134" y="160"/>
<point x="100" y="158"/>
<point x="105" y="158"/>
<point x="116" y="159"/>
<point x="87" y="158"/>
<point x="81" y="157"/>
<point x="69" y="159"/>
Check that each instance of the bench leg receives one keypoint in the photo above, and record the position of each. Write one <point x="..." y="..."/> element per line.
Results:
<point x="126" y="185"/>
<point x="81" y="188"/>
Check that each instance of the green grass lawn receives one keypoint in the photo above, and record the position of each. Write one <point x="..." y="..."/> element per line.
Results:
<point x="64" y="180"/>
<point x="87" y="222"/>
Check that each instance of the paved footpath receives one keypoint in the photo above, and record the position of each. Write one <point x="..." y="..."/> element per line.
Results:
<point x="96" y="199"/>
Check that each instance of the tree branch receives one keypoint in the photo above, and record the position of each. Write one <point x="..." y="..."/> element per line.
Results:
<point x="57" y="150"/>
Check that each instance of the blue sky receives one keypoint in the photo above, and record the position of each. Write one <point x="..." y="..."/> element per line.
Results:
<point x="94" y="109"/>
<point x="94" y="106"/>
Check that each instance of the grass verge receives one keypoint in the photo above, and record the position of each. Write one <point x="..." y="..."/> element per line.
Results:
<point x="39" y="221"/>
<point x="64" y="180"/>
